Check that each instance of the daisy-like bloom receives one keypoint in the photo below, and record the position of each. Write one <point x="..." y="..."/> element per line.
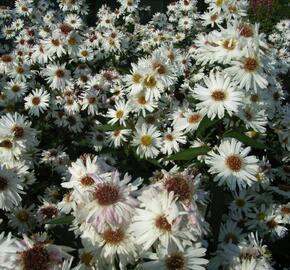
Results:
<point x="248" y="71"/>
<point x="18" y="127"/>
<point x="82" y="170"/>
<point x="47" y="211"/>
<point x="6" y="63"/>
<point x="284" y="211"/>
<point x="54" y="45"/>
<point x="85" y="54"/>
<point x="250" y="254"/>
<point x="230" y="233"/>
<point x="90" y="102"/>
<point x="158" y="221"/>
<point x="148" y="141"/>
<point x="117" y="242"/>
<point x="10" y="188"/>
<point x="171" y="140"/>
<point x="20" y="72"/>
<point x="37" y="102"/>
<point x="243" y="202"/>
<point x="38" y="253"/>
<point x="120" y="113"/>
<point x="171" y="258"/>
<point x="256" y="218"/>
<point x="73" y="20"/>
<point x="162" y="68"/>
<point x="15" y="89"/>
<point x="40" y="55"/>
<point x="254" y="117"/>
<point x="55" y="157"/>
<point x="134" y="80"/>
<point x="153" y="85"/>
<point x="189" y="121"/>
<point x="57" y="76"/>
<point x="218" y="96"/>
<point x="10" y="149"/>
<point x="21" y="219"/>
<point x="139" y="103"/>
<point x="112" y="202"/>
<point x="232" y="166"/>
<point x="118" y="137"/>
<point x="276" y="226"/>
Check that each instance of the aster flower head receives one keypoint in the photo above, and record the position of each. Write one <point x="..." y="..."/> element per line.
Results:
<point x="37" y="102"/>
<point x="157" y="221"/>
<point x="147" y="139"/>
<point x="111" y="200"/>
<point x="219" y="96"/>
<point x="231" y="164"/>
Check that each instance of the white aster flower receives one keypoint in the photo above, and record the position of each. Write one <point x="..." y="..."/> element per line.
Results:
<point x="232" y="166"/>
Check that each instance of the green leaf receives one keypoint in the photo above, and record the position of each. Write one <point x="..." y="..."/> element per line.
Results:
<point x="205" y="124"/>
<point x="61" y="220"/>
<point x="107" y="127"/>
<point x="154" y="162"/>
<point x="189" y="154"/>
<point x="245" y="139"/>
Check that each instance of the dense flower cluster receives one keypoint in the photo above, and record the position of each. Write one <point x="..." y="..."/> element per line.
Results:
<point x="162" y="145"/>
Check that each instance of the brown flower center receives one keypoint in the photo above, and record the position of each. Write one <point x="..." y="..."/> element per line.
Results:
<point x="169" y="137"/>
<point x="254" y="98"/>
<point x="161" y="69"/>
<point x="272" y="224"/>
<point x="175" y="262"/>
<point x="87" y="181"/>
<point x="18" y="131"/>
<point x="72" y="41"/>
<point x="142" y="100"/>
<point x="84" y="53"/>
<point x="36" y="258"/>
<point x="22" y="216"/>
<point x="60" y="73"/>
<point x="20" y="70"/>
<point x="92" y="100"/>
<point x="232" y="9"/>
<point x="106" y="194"/>
<point x="113" y="237"/>
<point x="285" y="210"/>
<point x="35" y="101"/>
<point x="3" y="183"/>
<point x="213" y="17"/>
<point x="218" y="95"/>
<point x="180" y="186"/>
<point x="240" y="202"/>
<point x="15" y="88"/>
<point x="194" y="118"/>
<point x="55" y="42"/>
<point x="6" y="144"/>
<point x="234" y="162"/>
<point x="162" y="224"/>
<point x="65" y="28"/>
<point x="150" y="82"/>
<point x="246" y="31"/>
<point x="86" y="258"/>
<point x="6" y="58"/>
<point x="250" y="64"/>
<point x="230" y="237"/>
